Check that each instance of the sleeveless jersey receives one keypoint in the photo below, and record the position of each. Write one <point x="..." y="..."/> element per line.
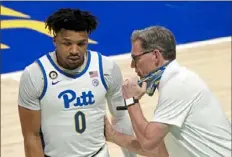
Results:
<point x="73" y="108"/>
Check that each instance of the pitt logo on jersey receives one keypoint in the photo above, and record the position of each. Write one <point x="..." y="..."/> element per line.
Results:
<point x="70" y="98"/>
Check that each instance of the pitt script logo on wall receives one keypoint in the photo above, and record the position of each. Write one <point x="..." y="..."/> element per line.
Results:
<point x="24" y="22"/>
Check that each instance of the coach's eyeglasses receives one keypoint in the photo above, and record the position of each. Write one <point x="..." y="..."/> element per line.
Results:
<point x="135" y="58"/>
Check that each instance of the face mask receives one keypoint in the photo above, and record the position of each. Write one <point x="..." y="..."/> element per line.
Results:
<point x="152" y="79"/>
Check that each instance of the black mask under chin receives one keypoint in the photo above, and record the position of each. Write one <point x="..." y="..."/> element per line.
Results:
<point x="152" y="79"/>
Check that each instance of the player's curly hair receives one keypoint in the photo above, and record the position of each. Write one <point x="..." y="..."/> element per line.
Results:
<point x="71" y="19"/>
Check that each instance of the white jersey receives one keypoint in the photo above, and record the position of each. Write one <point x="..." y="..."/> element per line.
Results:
<point x="198" y="125"/>
<point x="76" y="102"/>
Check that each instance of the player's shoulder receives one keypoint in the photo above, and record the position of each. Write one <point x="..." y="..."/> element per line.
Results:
<point x="33" y="70"/>
<point x="33" y="74"/>
<point x="34" y="67"/>
<point x="31" y="77"/>
<point x="108" y="64"/>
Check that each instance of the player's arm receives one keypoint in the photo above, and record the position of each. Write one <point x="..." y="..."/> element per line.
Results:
<point x="29" y="114"/>
<point x="30" y="124"/>
<point x="120" y="120"/>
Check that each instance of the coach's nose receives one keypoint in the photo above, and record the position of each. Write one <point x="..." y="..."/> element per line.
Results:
<point x="133" y="64"/>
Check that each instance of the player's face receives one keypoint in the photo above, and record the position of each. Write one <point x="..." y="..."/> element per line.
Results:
<point x="71" y="47"/>
<point x="142" y="61"/>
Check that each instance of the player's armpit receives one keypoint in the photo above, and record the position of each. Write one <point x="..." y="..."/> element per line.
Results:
<point x="30" y="125"/>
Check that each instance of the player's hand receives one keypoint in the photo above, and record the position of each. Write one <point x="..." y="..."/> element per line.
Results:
<point x="109" y="130"/>
<point x="130" y="88"/>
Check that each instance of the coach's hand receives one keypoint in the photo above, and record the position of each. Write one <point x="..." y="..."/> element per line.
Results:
<point x="130" y="88"/>
<point x="109" y="131"/>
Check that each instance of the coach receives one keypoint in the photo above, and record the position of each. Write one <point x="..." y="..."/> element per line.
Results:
<point x="186" y="110"/>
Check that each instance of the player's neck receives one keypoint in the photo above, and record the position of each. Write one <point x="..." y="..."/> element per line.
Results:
<point x="73" y="71"/>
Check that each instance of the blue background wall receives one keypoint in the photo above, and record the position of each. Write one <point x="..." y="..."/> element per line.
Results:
<point x="189" y="21"/>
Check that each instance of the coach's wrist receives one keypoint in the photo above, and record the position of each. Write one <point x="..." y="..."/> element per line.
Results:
<point x="131" y="101"/>
<point x="139" y="95"/>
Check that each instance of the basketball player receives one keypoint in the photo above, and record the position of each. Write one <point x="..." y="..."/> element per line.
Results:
<point x="63" y="93"/>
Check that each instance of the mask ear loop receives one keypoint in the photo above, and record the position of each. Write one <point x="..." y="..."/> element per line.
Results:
<point x="154" y="77"/>
<point x="151" y="85"/>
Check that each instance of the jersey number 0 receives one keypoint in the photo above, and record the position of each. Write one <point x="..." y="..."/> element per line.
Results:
<point x="80" y="123"/>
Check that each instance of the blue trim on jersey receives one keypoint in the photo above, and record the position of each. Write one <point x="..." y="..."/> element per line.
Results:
<point x="69" y="75"/>
<point x="45" y="79"/>
<point x="101" y="71"/>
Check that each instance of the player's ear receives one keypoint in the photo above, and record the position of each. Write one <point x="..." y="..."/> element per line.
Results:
<point x="54" y="41"/>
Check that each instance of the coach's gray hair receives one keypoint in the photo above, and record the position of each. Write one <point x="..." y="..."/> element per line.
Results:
<point x="157" y="37"/>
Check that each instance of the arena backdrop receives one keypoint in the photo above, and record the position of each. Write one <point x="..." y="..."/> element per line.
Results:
<point x="24" y="37"/>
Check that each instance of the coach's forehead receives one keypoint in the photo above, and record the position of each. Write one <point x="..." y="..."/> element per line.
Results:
<point x="136" y="47"/>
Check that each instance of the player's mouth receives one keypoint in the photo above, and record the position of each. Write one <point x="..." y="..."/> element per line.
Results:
<point x="74" y="59"/>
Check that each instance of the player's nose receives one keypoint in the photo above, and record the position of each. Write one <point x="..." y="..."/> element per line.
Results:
<point x="74" y="49"/>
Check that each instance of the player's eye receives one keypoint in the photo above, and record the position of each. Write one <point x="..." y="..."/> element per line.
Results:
<point x="67" y="43"/>
<point x="82" y="43"/>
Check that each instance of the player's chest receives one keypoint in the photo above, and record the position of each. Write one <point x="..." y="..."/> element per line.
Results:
<point x="68" y="94"/>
